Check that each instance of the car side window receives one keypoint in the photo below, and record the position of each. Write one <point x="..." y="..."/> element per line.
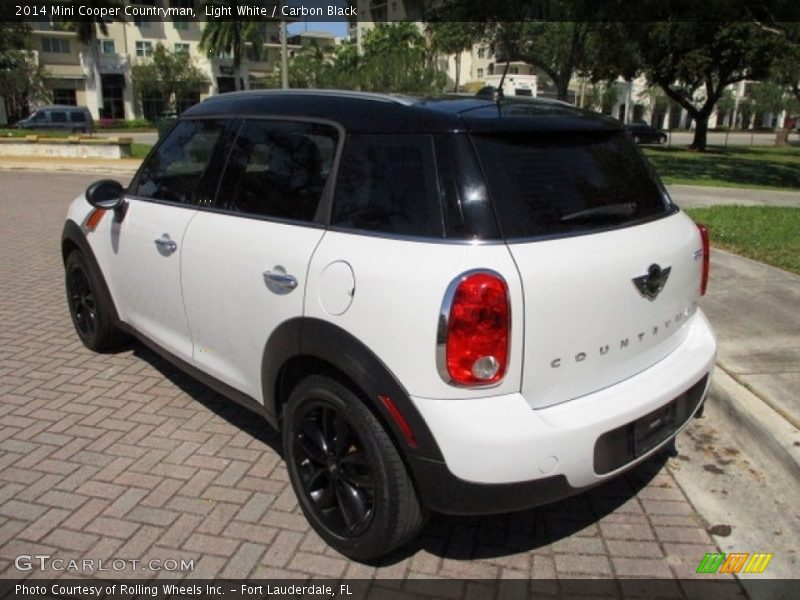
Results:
<point x="387" y="183"/>
<point x="278" y="169"/>
<point x="175" y="170"/>
<point x="58" y="117"/>
<point x="77" y="116"/>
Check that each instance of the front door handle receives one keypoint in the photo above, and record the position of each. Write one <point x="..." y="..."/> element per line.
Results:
<point x="166" y="245"/>
<point x="279" y="281"/>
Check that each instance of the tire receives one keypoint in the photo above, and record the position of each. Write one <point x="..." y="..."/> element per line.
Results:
<point x="90" y="305"/>
<point x="347" y="474"/>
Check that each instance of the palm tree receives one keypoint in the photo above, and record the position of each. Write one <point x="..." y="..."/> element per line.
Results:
<point x="223" y="37"/>
<point x="453" y="38"/>
<point x="86" y="29"/>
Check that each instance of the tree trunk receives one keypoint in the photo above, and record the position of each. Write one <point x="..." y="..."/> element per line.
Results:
<point x="458" y="71"/>
<point x="562" y="88"/>
<point x="700" y="132"/>
<point x="782" y="136"/>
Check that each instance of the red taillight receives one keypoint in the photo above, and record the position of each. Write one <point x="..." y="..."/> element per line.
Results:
<point x="706" y="258"/>
<point x="476" y="346"/>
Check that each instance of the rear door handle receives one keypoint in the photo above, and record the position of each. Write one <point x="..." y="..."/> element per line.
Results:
<point x="278" y="280"/>
<point x="166" y="245"/>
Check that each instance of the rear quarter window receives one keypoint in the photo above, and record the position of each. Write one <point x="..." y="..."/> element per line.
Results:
<point x="387" y="184"/>
<point x="560" y="183"/>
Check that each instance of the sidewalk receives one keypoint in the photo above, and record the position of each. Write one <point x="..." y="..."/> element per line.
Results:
<point x="695" y="196"/>
<point x="754" y="309"/>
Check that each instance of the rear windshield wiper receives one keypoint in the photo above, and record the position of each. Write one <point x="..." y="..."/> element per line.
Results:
<point x="599" y="212"/>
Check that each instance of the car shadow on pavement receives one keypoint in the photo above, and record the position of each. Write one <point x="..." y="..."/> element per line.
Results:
<point x="572" y="522"/>
<point x="239" y="417"/>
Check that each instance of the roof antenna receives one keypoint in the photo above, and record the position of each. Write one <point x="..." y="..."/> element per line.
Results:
<point x="499" y="95"/>
<point x="495" y="94"/>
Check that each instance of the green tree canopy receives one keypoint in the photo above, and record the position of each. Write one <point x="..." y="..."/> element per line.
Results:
<point x="169" y="76"/>
<point x="21" y="80"/>
<point x="395" y="59"/>
<point x="693" y="61"/>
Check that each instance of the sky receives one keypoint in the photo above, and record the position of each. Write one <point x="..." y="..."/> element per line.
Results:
<point x="338" y="28"/>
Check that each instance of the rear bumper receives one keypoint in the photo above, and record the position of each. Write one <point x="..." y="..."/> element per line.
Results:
<point x="501" y="455"/>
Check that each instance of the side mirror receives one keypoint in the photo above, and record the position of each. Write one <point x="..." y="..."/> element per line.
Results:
<point x="106" y="193"/>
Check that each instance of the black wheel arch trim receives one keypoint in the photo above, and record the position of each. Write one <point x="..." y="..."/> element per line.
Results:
<point x="315" y="339"/>
<point x="72" y="235"/>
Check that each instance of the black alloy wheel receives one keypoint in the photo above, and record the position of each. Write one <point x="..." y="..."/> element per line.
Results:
<point x="82" y="302"/>
<point x="335" y="469"/>
<point x="348" y="475"/>
<point x="90" y="305"/>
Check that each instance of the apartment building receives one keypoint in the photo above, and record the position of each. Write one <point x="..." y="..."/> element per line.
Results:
<point x="100" y="78"/>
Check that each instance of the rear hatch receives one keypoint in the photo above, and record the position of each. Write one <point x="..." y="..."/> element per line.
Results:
<point x="607" y="263"/>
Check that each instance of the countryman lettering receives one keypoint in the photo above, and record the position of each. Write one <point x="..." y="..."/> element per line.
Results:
<point x="158" y="11"/>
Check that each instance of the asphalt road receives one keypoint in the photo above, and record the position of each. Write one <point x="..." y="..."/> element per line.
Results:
<point x="122" y="455"/>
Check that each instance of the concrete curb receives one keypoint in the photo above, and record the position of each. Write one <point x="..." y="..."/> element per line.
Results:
<point x="765" y="428"/>
<point x="113" y="166"/>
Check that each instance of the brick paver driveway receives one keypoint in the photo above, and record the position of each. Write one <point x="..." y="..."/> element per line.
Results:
<point x="121" y="456"/>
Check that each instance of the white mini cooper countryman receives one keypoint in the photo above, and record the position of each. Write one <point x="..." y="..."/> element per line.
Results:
<point x="460" y="305"/>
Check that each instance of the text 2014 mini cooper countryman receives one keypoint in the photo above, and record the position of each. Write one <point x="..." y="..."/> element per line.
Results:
<point x="459" y="305"/>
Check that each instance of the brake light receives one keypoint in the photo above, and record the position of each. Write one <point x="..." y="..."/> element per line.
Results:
<point x="477" y="325"/>
<point x="706" y="258"/>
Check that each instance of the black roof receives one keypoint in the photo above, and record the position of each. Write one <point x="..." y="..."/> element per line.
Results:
<point x="361" y="112"/>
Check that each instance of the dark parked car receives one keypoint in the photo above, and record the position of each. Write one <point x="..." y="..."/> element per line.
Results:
<point x="66" y="118"/>
<point x="642" y="133"/>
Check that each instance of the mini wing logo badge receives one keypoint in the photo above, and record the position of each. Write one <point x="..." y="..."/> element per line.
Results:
<point x="651" y="284"/>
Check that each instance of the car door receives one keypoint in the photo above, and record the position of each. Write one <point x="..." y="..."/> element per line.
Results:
<point x="147" y="243"/>
<point x="244" y="264"/>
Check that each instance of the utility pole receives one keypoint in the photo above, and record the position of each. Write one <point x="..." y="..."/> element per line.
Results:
<point x="284" y="58"/>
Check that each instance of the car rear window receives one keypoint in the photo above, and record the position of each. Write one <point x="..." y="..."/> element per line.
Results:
<point x="560" y="183"/>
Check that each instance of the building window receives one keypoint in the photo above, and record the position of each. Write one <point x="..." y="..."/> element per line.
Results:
<point x="480" y="73"/>
<point x="144" y="48"/>
<point x="515" y="70"/>
<point x="394" y="7"/>
<point x="64" y="96"/>
<point x="182" y="48"/>
<point x="55" y="45"/>
<point x="106" y="46"/>
<point x="481" y="52"/>
<point x="180" y="25"/>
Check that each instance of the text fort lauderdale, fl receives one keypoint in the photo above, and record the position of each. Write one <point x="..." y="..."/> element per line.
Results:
<point x="245" y="10"/>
